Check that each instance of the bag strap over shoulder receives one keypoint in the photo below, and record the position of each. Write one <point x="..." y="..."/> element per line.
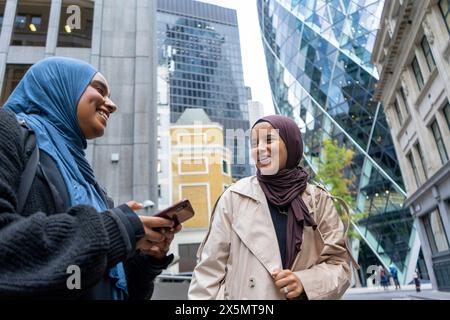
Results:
<point x="200" y="248"/>
<point x="345" y="220"/>
<point x="29" y="172"/>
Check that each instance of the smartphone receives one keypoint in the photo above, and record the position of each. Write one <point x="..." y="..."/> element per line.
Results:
<point x="179" y="212"/>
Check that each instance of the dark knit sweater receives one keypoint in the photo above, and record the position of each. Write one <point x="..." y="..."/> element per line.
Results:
<point x="38" y="245"/>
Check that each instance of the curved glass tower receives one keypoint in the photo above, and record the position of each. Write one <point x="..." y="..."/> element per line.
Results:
<point x="318" y="57"/>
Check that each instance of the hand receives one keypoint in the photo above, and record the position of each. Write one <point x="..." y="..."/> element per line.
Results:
<point x="159" y="249"/>
<point x="153" y="236"/>
<point x="288" y="283"/>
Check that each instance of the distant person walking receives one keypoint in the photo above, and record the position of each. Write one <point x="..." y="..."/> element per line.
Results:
<point x="384" y="279"/>
<point x="394" y="273"/>
<point x="417" y="281"/>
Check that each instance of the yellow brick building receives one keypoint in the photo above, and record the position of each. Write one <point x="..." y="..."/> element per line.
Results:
<point x="201" y="171"/>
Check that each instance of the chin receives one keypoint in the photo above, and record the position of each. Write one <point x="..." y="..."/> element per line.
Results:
<point x="100" y="134"/>
<point x="96" y="134"/>
<point x="268" y="171"/>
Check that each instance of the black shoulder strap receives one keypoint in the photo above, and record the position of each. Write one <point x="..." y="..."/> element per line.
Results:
<point x="29" y="172"/>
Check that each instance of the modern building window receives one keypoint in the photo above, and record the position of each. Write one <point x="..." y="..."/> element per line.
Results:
<point x="439" y="141"/>
<point x="417" y="73"/>
<point x="434" y="229"/>
<point x="446" y="112"/>
<point x="159" y="191"/>
<point x="422" y="159"/>
<point x="13" y="74"/>
<point x="75" y="26"/>
<point x="405" y="100"/>
<point x="444" y="6"/>
<point x="31" y="23"/>
<point x="398" y="112"/>
<point x="225" y="166"/>
<point x="412" y="163"/>
<point x="427" y="53"/>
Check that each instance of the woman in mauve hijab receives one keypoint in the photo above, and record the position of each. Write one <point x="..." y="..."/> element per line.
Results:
<point x="273" y="235"/>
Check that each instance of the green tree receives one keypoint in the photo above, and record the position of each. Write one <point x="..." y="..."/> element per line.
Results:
<point x="333" y="175"/>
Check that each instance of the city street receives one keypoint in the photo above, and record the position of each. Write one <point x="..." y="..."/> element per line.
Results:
<point x="407" y="293"/>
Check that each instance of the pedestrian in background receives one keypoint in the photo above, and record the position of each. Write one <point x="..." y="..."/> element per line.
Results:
<point x="417" y="280"/>
<point x="384" y="279"/>
<point x="394" y="273"/>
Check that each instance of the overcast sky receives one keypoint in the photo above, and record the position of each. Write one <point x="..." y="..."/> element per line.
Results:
<point x="253" y="60"/>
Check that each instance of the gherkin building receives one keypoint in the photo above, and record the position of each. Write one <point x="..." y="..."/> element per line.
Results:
<point x="318" y="58"/>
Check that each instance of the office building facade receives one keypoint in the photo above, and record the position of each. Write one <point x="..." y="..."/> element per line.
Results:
<point x="412" y="53"/>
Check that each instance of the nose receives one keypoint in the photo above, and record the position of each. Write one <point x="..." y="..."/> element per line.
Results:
<point x="112" y="107"/>
<point x="262" y="147"/>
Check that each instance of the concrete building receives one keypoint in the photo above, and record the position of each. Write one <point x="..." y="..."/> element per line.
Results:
<point x="164" y="167"/>
<point x="117" y="37"/>
<point x="412" y="54"/>
<point x="201" y="171"/>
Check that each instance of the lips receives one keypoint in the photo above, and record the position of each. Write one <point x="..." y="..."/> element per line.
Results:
<point x="103" y="116"/>
<point x="264" y="160"/>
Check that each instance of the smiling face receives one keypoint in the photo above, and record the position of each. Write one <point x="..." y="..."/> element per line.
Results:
<point x="95" y="107"/>
<point x="268" y="149"/>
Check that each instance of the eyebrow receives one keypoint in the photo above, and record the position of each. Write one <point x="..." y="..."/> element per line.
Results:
<point x="103" y="85"/>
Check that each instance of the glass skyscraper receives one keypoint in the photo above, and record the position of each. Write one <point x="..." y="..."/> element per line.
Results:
<point x="200" y="44"/>
<point x="318" y="57"/>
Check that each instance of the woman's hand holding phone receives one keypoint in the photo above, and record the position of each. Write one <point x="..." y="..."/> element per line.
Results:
<point x="159" y="233"/>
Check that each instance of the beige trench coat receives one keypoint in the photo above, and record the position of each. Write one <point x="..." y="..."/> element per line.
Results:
<point x="241" y="250"/>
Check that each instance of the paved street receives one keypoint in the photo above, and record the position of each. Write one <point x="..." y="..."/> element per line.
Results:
<point x="407" y="293"/>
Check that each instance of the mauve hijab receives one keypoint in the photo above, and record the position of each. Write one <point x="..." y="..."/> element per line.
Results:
<point x="284" y="189"/>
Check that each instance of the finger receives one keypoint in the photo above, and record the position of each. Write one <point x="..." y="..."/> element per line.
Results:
<point x="292" y="294"/>
<point x="283" y="282"/>
<point x="291" y="289"/>
<point x="275" y="272"/>
<point x="154" y="236"/>
<point x="175" y="229"/>
<point x="283" y="274"/>
<point x="169" y="237"/>
<point x="294" y="291"/>
<point x="156" y="222"/>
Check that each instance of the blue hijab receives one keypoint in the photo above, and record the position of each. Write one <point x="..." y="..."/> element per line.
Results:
<point x="46" y="99"/>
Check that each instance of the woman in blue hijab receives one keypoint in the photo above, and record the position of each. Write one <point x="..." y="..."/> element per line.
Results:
<point x="64" y="102"/>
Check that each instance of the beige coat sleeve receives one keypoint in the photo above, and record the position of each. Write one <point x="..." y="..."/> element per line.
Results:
<point x="330" y="277"/>
<point x="213" y="254"/>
